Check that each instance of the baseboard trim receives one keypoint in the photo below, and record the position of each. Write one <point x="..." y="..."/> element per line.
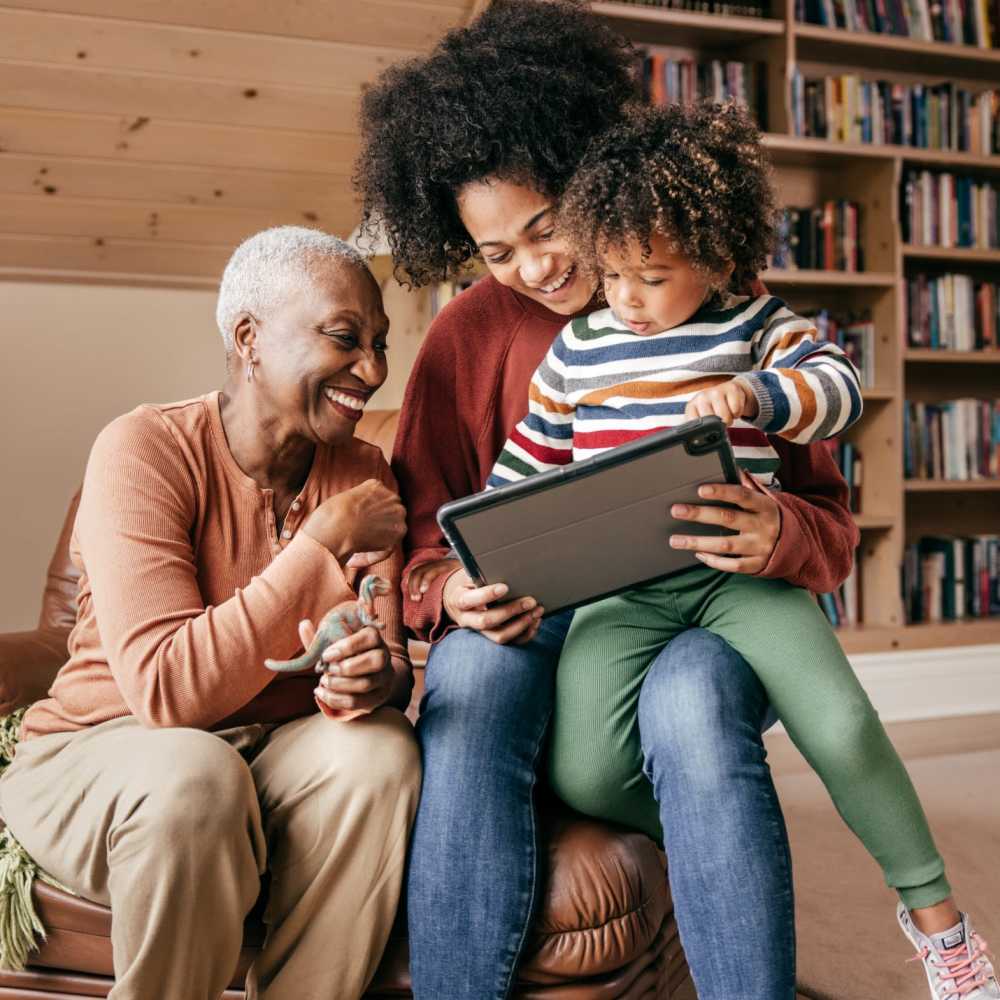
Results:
<point x="932" y="683"/>
<point x="923" y="684"/>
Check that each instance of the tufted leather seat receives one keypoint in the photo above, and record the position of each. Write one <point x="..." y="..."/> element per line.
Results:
<point x="605" y="928"/>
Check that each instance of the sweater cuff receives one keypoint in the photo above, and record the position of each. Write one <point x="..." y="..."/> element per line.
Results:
<point x="426" y="616"/>
<point x="305" y="559"/>
<point x="786" y="557"/>
<point x="765" y="404"/>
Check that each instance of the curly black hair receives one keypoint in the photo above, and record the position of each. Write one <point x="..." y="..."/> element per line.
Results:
<point x="697" y="175"/>
<point x="518" y="94"/>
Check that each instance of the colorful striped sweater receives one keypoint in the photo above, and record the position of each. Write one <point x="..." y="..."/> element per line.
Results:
<point x="601" y="385"/>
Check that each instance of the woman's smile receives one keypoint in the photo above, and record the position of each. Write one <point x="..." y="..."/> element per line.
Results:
<point x="349" y="403"/>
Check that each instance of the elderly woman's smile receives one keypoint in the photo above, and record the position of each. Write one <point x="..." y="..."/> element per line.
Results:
<point x="314" y="352"/>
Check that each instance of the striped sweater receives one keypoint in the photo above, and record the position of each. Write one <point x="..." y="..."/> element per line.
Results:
<point x="601" y="385"/>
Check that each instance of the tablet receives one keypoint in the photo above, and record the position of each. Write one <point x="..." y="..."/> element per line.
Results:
<point x="595" y="527"/>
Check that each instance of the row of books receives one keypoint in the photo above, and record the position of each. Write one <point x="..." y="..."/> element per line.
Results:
<point x="849" y="108"/>
<point x="848" y="459"/>
<point x="951" y="312"/>
<point x="843" y="606"/>
<point x="958" y="439"/>
<point x="949" y="210"/>
<point x="947" y="578"/>
<point x="669" y="79"/>
<point x="854" y="334"/>
<point x="824" y="238"/>
<point x="748" y="8"/>
<point x="961" y="22"/>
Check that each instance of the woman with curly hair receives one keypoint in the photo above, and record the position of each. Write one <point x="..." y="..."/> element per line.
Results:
<point x="465" y="154"/>
<point x="669" y="207"/>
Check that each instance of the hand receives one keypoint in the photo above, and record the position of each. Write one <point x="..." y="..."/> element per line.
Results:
<point x="514" y="622"/>
<point x="359" y="526"/>
<point x="357" y="675"/>
<point x="757" y="521"/>
<point x="728" y="402"/>
<point x="420" y="578"/>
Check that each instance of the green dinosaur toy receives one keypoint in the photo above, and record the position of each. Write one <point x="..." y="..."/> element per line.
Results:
<point x="345" y="619"/>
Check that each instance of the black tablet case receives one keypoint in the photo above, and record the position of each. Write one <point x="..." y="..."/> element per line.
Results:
<point x="595" y="527"/>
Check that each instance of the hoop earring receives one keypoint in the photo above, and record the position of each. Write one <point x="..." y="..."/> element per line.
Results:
<point x="251" y="364"/>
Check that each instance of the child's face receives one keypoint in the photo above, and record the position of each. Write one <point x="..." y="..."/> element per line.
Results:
<point x="653" y="293"/>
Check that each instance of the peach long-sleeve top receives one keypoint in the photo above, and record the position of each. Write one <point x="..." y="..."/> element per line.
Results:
<point x="186" y="585"/>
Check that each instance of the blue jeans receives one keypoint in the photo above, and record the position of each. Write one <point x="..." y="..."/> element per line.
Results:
<point x="473" y="876"/>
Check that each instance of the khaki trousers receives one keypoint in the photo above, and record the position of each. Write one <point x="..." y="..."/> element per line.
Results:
<point x="172" y="828"/>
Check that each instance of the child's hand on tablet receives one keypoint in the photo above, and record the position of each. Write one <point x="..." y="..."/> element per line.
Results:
<point x="728" y="402"/>
<point x="755" y="517"/>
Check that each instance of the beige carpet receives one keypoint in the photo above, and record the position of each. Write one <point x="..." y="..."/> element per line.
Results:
<point x="849" y="945"/>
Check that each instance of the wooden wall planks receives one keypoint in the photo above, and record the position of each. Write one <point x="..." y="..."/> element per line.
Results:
<point x="308" y="195"/>
<point x="141" y="141"/>
<point x="236" y="56"/>
<point x="406" y="24"/>
<point x="158" y="141"/>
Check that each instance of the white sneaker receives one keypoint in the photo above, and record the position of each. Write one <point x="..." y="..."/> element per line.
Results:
<point x="956" y="962"/>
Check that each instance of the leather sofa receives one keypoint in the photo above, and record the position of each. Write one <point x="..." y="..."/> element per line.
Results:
<point x="605" y="929"/>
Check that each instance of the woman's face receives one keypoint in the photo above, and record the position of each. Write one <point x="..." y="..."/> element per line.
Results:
<point x="321" y="353"/>
<point x="512" y="226"/>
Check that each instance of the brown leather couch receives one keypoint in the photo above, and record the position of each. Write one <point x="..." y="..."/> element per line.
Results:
<point x="605" y="930"/>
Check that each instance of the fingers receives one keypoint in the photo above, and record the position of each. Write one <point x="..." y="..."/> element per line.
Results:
<point x="366" y="701"/>
<point x="307" y="632"/>
<point x="362" y="560"/>
<point x="745" y="497"/>
<point x="357" y="673"/>
<point x="520" y="629"/>
<point x="743" y="544"/>
<point x="727" y="517"/>
<point x="478" y="597"/>
<point x="749" y="565"/>
<point x="528" y="634"/>
<point x="496" y="619"/>
<point x="360" y="642"/>
<point x="712" y="402"/>
<point x="422" y="576"/>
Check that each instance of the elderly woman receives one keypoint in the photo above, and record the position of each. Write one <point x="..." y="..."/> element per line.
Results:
<point x="465" y="154"/>
<point x="169" y="768"/>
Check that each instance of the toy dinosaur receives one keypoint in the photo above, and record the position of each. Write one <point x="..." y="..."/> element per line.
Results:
<point x="345" y="619"/>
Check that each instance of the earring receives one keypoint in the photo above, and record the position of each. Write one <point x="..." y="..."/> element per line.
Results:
<point x="251" y="364"/>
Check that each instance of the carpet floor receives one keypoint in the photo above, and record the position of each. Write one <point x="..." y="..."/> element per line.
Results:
<point x="849" y="946"/>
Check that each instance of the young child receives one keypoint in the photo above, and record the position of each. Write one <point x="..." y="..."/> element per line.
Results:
<point x="672" y="208"/>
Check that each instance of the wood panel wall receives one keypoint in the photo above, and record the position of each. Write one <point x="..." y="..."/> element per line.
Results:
<point x="140" y="140"/>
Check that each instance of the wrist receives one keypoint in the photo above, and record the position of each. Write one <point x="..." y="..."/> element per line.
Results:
<point x="447" y="587"/>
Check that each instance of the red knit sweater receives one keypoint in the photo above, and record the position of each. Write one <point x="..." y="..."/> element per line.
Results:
<point x="469" y="388"/>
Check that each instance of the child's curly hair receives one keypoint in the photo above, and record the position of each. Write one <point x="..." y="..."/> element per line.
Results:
<point x="517" y="94"/>
<point x="697" y="175"/>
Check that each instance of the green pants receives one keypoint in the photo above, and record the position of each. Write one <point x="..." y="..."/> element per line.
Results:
<point x="781" y="632"/>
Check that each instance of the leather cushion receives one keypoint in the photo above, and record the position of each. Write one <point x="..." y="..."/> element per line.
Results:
<point x="605" y="904"/>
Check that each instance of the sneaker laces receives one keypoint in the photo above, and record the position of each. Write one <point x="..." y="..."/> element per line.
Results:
<point x="963" y="965"/>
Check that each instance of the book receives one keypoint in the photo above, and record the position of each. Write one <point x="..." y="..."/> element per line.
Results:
<point x="942" y="209"/>
<point x="825" y="237"/>
<point x="667" y="77"/>
<point x="856" y="109"/>
<point x="961" y="22"/>
<point x="955" y="312"/>
<point x="948" y="578"/>
<point x="956" y="439"/>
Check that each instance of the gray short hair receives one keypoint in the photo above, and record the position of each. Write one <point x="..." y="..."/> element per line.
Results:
<point x="263" y="266"/>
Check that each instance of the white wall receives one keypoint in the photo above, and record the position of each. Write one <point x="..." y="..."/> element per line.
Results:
<point x="76" y="356"/>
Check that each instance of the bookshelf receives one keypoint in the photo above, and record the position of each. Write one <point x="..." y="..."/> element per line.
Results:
<point x="894" y="512"/>
<point x="809" y="171"/>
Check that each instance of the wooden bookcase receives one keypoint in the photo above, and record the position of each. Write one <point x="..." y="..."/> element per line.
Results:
<point x="808" y="171"/>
